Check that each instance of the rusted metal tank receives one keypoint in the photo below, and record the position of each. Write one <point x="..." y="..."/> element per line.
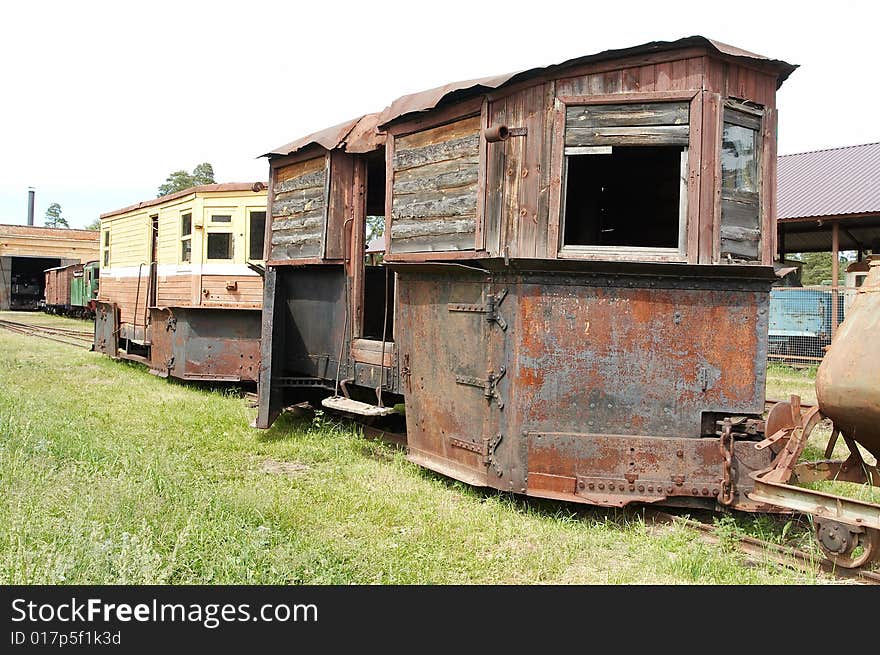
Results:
<point x="848" y="380"/>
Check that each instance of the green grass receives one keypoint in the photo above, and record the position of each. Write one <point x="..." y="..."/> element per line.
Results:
<point x="111" y="475"/>
<point x="783" y="381"/>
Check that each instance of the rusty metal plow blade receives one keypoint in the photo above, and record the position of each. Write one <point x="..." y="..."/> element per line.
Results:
<point x="848" y="530"/>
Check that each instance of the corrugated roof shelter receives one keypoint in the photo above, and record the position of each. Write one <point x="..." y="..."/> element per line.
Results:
<point x="824" y="191"/>
<point x="27" y="250"/>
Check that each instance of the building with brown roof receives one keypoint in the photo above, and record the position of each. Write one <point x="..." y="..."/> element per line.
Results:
<point x="26" y="251"/>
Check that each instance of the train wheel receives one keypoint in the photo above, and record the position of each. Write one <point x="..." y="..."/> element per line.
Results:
<point x="847" y="547"/>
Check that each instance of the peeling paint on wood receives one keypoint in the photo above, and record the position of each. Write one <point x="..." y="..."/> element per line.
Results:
<point x="653" y="113"/>
<point x="434" y="188"/>
<point x="299" y="210"/>
<point x="631" y="136"/>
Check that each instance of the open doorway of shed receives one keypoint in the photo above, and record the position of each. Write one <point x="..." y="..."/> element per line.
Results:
<point x="27" y="280"/>
<point x="378" y="300"/>
<point x="625" y="196"/>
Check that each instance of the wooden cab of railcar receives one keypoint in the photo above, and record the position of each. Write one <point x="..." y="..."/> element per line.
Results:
<point x="328" y="305"/>
<point x="181" y="287"/>
<point x="582" y="258"/>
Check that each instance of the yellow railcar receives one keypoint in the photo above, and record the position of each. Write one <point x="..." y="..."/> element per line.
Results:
<point x="181" y="286"/>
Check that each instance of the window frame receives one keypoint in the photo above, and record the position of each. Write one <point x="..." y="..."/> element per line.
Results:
<point x="231" y="227"/>
<point x="689" y="191"/>
<point x="248" y="233"/>
<point x="755" y="121"/>
<point x="105" y="248"/>
<point x="184" y="237"/>
<point x="635" y="251"/>
<point x="231" y="257"/>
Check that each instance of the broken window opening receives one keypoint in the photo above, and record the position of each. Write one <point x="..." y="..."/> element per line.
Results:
<point x="378" y="280"/>
<point x="626" y="196"/>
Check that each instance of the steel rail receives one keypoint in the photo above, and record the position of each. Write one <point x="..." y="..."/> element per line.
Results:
<point x="759" y="550"/>
<point x="755" y="549"/>
<point x="27" y="329"/>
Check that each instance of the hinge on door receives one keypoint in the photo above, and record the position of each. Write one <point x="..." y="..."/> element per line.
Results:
<point x="169" y="363"/>
<point x="489" y="458"/>
<point x="489" y="385"/>
<point x="171" y="325"/>
<point x="486" y="450"/>
<point x="489" y="308"/>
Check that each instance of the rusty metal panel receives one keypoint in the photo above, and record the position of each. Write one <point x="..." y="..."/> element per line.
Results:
<point x="310" y="311"/>
<point x="106" y="328"/>
<point x="636" y="354"/>
<point x="622" y="357"/>
<point x="328" y="138"/>
<point x="449" y="419"/>
<point x="272" y="337"/>
<point x="206" y="344"/>
<point x="615" y="470"/>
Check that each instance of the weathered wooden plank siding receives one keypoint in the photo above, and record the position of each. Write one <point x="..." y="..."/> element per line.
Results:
<point x="516" y="213"/>
<point x="630" y="115"/>
<point x="434" y="188"/>
<point x="628" y="136"/>
<point x="341" y="203"/>
<point x="512" y="178"/>
<point x="31" y="241"/>
<point x="299" y="210"/>
<point x="668" y="76"/>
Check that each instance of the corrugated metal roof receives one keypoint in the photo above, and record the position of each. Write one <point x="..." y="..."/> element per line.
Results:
<point x="358" y="135"/>
<point x="376" y="245"/>
<point x="832" y="182"/>
<point x="365" y="126"/>
<point x="809" y="237"/>
<point x="328" y="138"/>
<point x="204" y="188"/>
<point x="426" y="100"/>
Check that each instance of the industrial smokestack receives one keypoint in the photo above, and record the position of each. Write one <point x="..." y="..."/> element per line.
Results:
<point x="30" y="205"/>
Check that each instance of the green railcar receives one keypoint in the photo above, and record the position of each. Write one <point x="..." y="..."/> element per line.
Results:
<point x="84" y="288"/>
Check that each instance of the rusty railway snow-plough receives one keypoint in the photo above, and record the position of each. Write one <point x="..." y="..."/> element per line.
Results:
<point x="572" y="294"/>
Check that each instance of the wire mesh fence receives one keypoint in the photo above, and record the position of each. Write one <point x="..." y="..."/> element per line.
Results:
<point x="803" y="320"/>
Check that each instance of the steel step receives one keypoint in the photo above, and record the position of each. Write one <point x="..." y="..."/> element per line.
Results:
<point x="350" y="406"/>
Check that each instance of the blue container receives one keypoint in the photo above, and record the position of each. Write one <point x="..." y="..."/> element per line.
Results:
<point x="800" y="321"/>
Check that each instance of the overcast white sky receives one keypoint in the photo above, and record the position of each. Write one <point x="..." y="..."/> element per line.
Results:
<point x="101" y="100"/>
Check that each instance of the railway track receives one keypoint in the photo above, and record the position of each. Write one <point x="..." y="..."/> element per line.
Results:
<point x="760" y="551"/>
<point x="755" y="550"/>
<point x="69" y="336"/>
